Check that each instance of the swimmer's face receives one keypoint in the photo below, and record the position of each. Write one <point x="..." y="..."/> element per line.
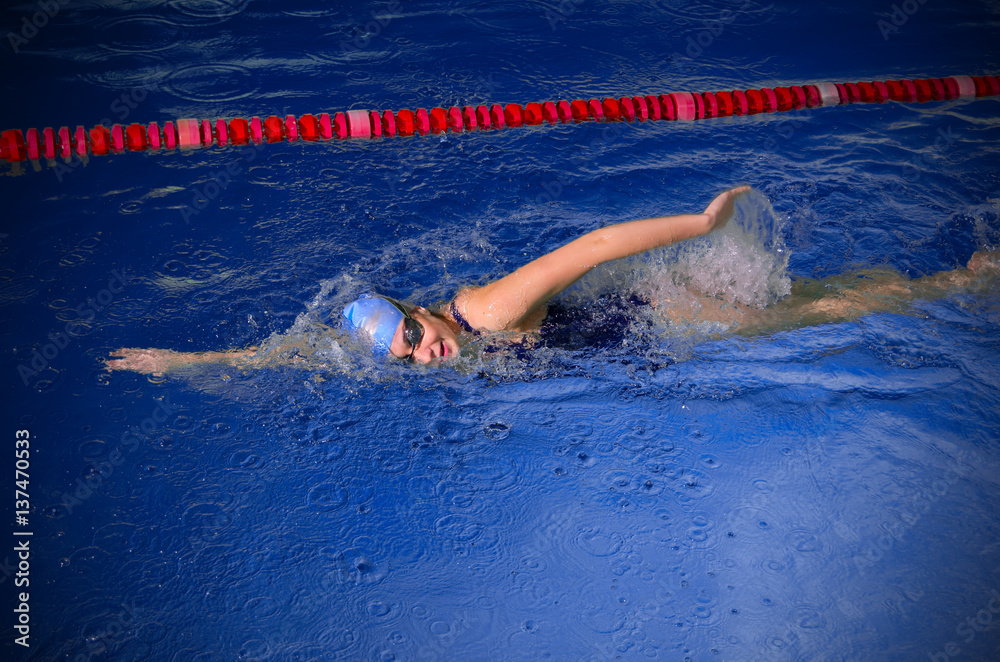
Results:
<point x="439" y="341"/>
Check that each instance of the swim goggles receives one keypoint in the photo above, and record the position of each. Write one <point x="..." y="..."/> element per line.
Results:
<point x="413" y="330"/>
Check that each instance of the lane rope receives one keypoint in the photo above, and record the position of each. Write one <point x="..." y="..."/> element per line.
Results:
<point x="49" y="143"/>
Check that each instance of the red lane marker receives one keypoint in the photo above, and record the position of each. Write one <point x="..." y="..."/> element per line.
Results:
<point x="881" y="92"/>
<point x="627" y="108"/>
<point x="668" y="108"/>
<point x="100" y="140"/>
<point x="117" y="139"/>
<point x="799" y="97"/>
<point x="389" y="124"/>
<point x="813" y="97"/>
<point x="49" y="144"/>
<point x="309" y="127"/>
<point x="923" y="90"/>
<point x="33" y="144"/>
<point x="595" y="110"/>
<point x="897" y="91"/>
<point x="374" y="124"/>
<point x="986" y="86"/>
<point x="770" y="99"/>
<point x="641" y="108"/>
<point x="496" y="116"/>
<point x="65" y="143"/>
<point x="483" y="118"/>
<point x="710" y="104"/>
<point x="513" y="115"/>
<point x="950" y="88"/>
<point x="80" y="141"/>
<point x="240" y="131"/>
<point x="221" y="133"/>
<point x="699" y="106"/>
<point x="611" y="110"/>
<point x="154" y="136"/>
<point x="256" y="131"/>
<point x="866" y="92"/>
<point x="325" y="126"/>
<point x="741" y="106"/>
<point x="169" y="135"/>
<point x="936" y="90"/>
<point x="533" y="114"/>
<point x="15" y="145"/>
<point x="565" y="111"/>
<point x="724" y="103"/>
<point x="549" y="112"/>
<point x="291" y="128"/>
<point x="469" y="118"/>
<point x="189" y="133"/>
<point x="784" y="97"/>
<point x="207" y="137"/>
<point x="455" y="122"/>
<point x="655" y="107"/>
<point x="405" y="122"/>
<point x="340" y="128"/>
<point x="423" y="122"/>
<point x="438" y="119"/>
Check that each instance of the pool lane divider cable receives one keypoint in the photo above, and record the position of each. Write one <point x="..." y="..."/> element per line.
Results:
<point x="685" y="106"/>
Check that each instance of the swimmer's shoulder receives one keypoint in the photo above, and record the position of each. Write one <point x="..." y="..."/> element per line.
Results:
<point x="464" y="309"/>
<point x="475" y="307"/>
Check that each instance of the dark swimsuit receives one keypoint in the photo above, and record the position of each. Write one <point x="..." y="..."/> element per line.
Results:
<point x="457" y="316"/>
<point x="601" y="323"/>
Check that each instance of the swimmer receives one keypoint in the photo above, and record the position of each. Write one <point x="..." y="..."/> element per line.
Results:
<point x="517" y="303"/>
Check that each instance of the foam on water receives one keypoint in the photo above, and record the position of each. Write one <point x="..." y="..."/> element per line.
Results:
<point x="745" y="262"/>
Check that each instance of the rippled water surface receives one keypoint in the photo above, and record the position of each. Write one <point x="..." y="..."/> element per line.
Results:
<point x="670" y="492"/>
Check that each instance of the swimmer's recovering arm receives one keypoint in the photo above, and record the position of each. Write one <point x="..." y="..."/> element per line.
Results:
<point x="510" y="303"/>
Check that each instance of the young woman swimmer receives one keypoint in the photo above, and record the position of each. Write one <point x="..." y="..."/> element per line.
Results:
<point x="517" y="303"/>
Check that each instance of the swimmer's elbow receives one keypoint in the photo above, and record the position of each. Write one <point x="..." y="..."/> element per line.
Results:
<point x="600" y="246"/>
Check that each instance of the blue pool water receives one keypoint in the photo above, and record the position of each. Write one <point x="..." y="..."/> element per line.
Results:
<point x="821" y="493"/>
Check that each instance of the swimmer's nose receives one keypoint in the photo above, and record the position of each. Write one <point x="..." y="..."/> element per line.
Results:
<point x="424" y="354"/>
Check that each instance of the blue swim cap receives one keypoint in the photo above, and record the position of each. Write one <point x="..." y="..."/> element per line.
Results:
<point x="376" y="316"/>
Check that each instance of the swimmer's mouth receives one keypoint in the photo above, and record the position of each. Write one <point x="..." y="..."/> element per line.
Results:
<point x="444" y="350"/>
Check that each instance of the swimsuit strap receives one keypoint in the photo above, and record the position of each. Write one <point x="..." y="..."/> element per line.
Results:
<point x="461" y="320"/>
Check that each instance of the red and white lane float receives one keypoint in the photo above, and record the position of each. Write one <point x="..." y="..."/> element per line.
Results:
<point x="49" y="143"/>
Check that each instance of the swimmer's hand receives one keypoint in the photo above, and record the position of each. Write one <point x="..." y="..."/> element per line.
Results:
<point x="720" y="210"/>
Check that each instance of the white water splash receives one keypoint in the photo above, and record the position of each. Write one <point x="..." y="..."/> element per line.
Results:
<point x="743" y="263"/>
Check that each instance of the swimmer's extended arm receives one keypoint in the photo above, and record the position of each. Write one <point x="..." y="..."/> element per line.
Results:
<point x="160" y="361"/>
<point x="510" y="303"/>
<point x="847" y="297"/>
